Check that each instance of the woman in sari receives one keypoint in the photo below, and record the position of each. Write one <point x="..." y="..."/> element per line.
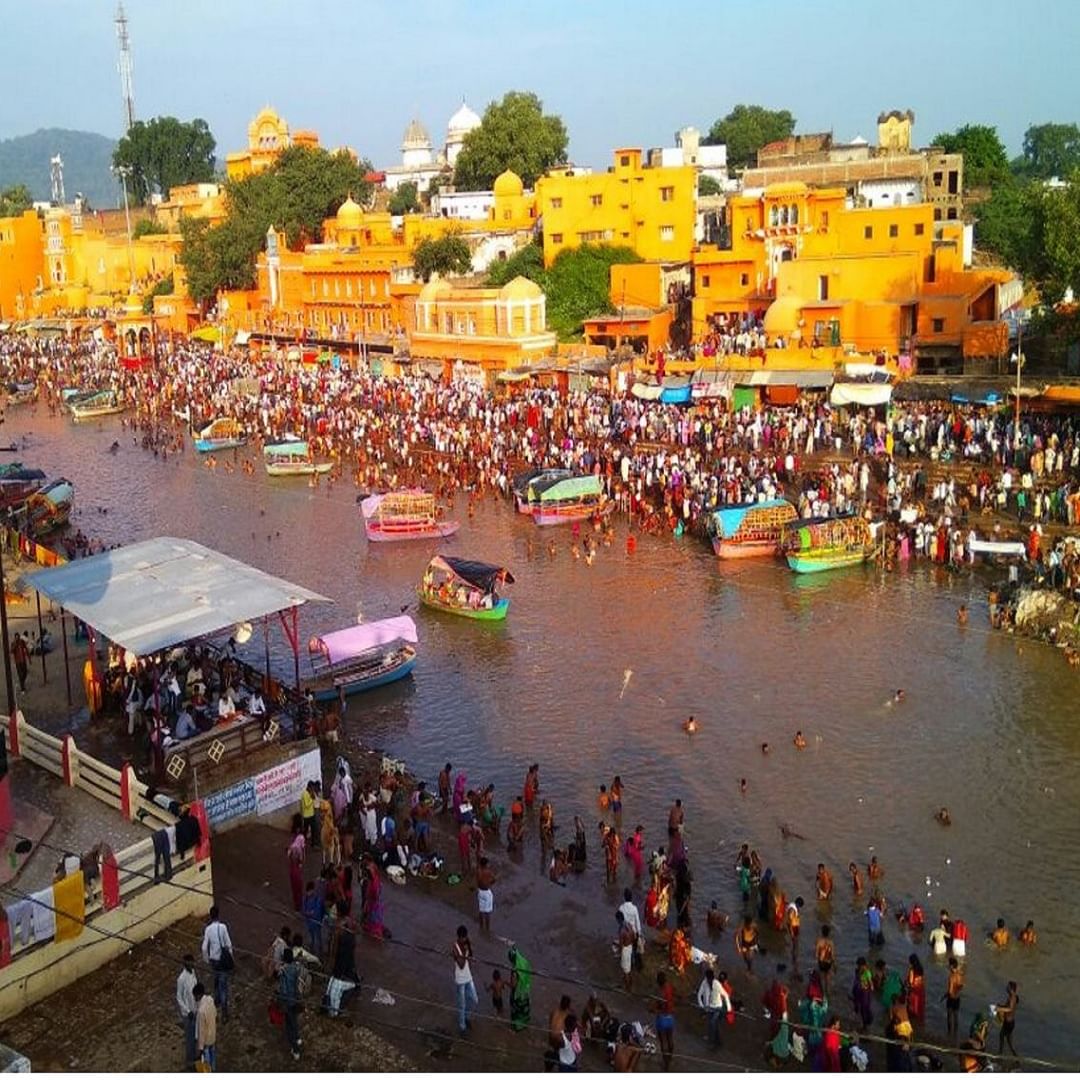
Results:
<point x="916" y="989"/>
<point x="611" y="845"/>
<point x="371" y="910"/>
<point x="520" y="988"/>
<point x="459" y="790"/>
<point x="679" y="951"/>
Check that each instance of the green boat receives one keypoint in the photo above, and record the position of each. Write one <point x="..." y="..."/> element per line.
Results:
<point x="465" y="587"/>
<point x="812" y="545"/>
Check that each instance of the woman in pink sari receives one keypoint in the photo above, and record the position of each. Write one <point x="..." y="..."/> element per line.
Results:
<point x="635" y="852"/>
<point x="296" y="853"/>
<point x="372" y="906"/>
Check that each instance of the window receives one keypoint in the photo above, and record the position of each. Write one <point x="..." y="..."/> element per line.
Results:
<point x="348" y="288"/>
<point x="823" y="287"/>
<point x="954" y="182"/>
<point x="667" y="232"/>
<point x="556" y="237"/>
<point x="704" y="281"/>
<point x="596" y="200"/>
<point x="937" y="179"/>
<point x="938" y="325"/>
<point x="868" y="232"/>
<point x="951" y="215"/>
<point x="774" y="215"/>
<point x="744" y="279"/>
<point x="624" y="160"/>
<point x="794" y="215"/>
<point x="667" y="194"/>
<point x="556" y="204"/>
<point x="824" y="219"/>
<point x="919" y="228"/>
<point x="894" y="230"/>
<point x="937" y="213"/>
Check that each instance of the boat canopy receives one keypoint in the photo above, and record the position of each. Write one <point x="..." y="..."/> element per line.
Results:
<point x="522" y="481"/>
<point x="809" y="534"/>
<point x="354" y="641"/>
<point x="224" y="427"/>
<point x="392" y="504"/>
<point x="484" y="576"/>
<point x="297" y="449"/>
<point x="727" y="520"/>
<point x="559" y="488"/>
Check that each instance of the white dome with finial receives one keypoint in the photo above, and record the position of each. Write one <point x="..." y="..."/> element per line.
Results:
<point x="462" y="122"/>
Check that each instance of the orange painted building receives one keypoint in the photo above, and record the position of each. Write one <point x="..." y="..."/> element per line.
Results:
<point x="825" y="275"/>
<point x="22" y="264"/>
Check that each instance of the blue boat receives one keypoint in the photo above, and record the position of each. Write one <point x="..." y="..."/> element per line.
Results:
<point x="362" y="657"/>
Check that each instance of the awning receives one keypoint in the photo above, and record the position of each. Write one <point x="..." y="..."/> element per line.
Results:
<point x="646" y="391"/>
<point x="356" y="640"/>
<point x="867" y="372"/>
<point x="806" y="380"/>
<point x="860" y="394"/>
<point x="513" y="376"/>
<point x="158" y="593"/>
<point x="242" y="337"/>
<point x="708" y="383"/>
<point x="675" y="389"/>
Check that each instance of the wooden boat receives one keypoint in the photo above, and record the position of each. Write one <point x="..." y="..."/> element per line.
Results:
<point x="362" y="657"/>
<point x="465" y="587"/>
<point x="559" y="501"/>
<point x="404" y="515"/>
<point x="50" y="508"/>
<point x="523" y="481"/>
<point x="94" y="404"/>
<point x="21" y="393"/>
<point x="223" y="434"/>
<point x="812" y="545"/>
<point x="18" y="483"/>
<point x="292" y="459"/>
<point x="749" y="530"/>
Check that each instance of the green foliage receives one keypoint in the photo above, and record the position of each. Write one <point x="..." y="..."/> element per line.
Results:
<point x="1004" y="223"/>
<point x="985" y="160"/>
<point x="746" y="129"/>
<point x="14" y="200"/>
<point x="446" y="255"/>
<point x="25" y="160"/>
<point x="514" y="134"/>
<point x="706" y="185"/>
<point x="163" y="153"/>
<point x="147" y="227"/>
<point x="1050" y="150"/>
<point x="577" y="284"/>
<point x="296" y="194"/>
<point x="405" y="199"/>
<point x="164" y="287"/>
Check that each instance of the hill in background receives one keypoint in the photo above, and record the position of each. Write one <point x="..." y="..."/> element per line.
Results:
<point x="87" y="157"/>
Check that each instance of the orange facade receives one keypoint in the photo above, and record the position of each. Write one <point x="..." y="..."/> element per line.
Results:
<point x="22" y="264"/>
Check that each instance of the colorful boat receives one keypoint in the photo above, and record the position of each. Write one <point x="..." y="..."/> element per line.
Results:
<point x="524" y="481"/>
<point x="223" y="434"/>
<point x="812" y="545"/>
<point x="292" y="459"/>
<point x="362" y="657"/>
<point x="465" y="587"/>
<point x="748" y="530"/>
<point x="21" y="393"/>
<point x="558" y="501"/>
<point x="18" y="483"/>
<point x="50" y="508"/>
<point x="404" y="515"/>
<point x="95" y="403"/>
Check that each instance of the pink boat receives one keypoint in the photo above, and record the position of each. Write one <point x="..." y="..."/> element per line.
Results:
<point x="404" y="515"/>
<point x="743" y="549"/>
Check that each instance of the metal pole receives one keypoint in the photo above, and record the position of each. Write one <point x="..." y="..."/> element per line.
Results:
<point x="9" y="683"/>
<point x="1019" y="365"/>
<point x="41" y="638"/>
<point x="67" y="664"/>
<point x="123" y="170"/>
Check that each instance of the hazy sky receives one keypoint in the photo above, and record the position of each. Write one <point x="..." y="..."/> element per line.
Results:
<point x="619" y="73"/>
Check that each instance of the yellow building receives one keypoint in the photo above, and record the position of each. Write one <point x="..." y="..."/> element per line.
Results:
<point x="651" y="210"/>
<point x="491" y="330"/>
<point x="22" y="264"/>
<point x="825" y="276"/>
<point x="204" y="201"/>
<point x="268" y="135"/>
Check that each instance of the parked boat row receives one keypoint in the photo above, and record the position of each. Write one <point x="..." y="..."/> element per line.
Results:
<point x="90" y="404"/>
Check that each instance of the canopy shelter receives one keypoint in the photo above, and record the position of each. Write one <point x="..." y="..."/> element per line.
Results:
<point x="481" y="575"/>
<point x="356" y="640"/>
<point x="150" y="596"/>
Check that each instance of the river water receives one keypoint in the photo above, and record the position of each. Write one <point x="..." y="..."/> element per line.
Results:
<point x="988" y="728"/>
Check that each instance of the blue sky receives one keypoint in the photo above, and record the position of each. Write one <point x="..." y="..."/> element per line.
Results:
<point x="619" y="73"/>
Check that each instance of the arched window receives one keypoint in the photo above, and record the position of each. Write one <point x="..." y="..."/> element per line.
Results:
<point x="794" y="215"/>
<point x="774" y="215"/>
<point x="783" y="215"/>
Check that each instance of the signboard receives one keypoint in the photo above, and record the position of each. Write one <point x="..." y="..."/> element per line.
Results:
<point x="275" y="789"/>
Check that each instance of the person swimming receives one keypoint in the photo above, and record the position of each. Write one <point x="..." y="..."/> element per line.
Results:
<point x="962" y="615"/>
<point x="943" y="817"/>
<point x="799" y="740"/>
<point x="766" y="748"/>
<point x="690" y="726"/>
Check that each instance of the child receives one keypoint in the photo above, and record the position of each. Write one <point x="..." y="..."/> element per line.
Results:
<point x="313" y="917"/>
<point x="496" y="987"/>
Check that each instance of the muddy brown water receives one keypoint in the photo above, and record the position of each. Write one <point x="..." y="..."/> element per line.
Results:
<point x="989" y="727"/>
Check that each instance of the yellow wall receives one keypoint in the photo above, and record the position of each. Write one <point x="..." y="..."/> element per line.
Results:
<point x="21" y="263"/>
<point x="651" y="210"/>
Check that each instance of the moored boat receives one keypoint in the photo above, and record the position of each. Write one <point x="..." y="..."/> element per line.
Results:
<point x="465" y="587"/>
<point x="362" y="657"/>
<point x="292" y="459"/>
<point x="224" y="433"/>
<point x="523" y="484"/>
<point x="95" y="403"/>
<point x="18" y="483"/>
<point x="404" y="515"/>
<point x="558" y="501"/>
<point x="812" y="545"/>
<point x="50" y="508"/>
<point x="749" y="530"/>
<point x="21" y="393"/>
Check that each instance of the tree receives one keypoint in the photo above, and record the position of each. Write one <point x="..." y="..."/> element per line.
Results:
<point x="147" y="227"/>
<point x="526" y="262"/>
<point x="162" y="288"/>
<point x="405" y="199"/>
<point x="15" y="200"/>
<point x="1050" y="150"/>
<point x="1004" y="223"/>
<point x="163" y="153"/>
<point x="746" y="129"/>
<point x="985" y="160"/>
<point x="514" y="134"/>
<point x="447" y="255"/>
<point x="706" y="185"/>
<point x="1056" y="259"/>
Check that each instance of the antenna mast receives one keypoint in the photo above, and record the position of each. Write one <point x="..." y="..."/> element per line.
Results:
<point x="125" y="66"/>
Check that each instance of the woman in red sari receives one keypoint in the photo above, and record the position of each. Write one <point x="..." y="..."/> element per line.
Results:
<point x="372" y="905"/>
<point x="916" y="989"/>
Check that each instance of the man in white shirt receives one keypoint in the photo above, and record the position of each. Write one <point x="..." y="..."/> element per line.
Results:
<point x="217" y="950"/>
<point x="185" y="1002"/>
<point x="714" y="999"/>
<point x="464" y="986"/>
<point x="633" y="918"/>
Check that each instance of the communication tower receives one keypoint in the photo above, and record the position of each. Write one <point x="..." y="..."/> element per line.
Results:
<point x="56" y="174"/>
<point x="125" y="66"/>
